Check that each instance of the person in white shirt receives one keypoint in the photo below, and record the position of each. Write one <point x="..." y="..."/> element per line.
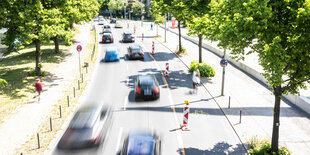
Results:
<point x="196" y="80"/>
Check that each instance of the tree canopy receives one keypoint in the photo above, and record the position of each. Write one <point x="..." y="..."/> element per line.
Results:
<point x="278" y="31"/>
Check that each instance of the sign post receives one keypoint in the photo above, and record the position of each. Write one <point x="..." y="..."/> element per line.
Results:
<point x="223" y="64"/>
<point x="79" y="49"/>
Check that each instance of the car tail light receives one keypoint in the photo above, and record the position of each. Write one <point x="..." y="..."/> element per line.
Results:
<point x="156" y="90"/>
<point x="111" y="38"/>
<point x="141" y="53"/>
<point x="139" y="90"/>
<point x="103" y="38"/>
<point x="131" y="53"/>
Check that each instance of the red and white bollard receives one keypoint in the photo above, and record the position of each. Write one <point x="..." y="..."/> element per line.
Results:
<point x="184" y="126"/>
<point x="142" y="36"/>
<point x="153" y="48"/>
<point x="167" y="70"/>
<point x="127" y="25"/>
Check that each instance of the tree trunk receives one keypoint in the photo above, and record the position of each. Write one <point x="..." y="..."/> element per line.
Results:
<point x="180" y="36"/>
<point x="199" y="45"/>
<point x="56" y="42"/>
<point x="276" y="119"/>
<point x="38" y="57"/>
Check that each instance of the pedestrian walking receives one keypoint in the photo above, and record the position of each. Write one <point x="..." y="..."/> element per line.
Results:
<point x="39" y="87"/>
<point x="152" y="26"/>
<point x="196" y="80"/>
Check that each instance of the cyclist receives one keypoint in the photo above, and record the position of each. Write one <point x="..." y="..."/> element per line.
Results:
<point x="196" y="80"/>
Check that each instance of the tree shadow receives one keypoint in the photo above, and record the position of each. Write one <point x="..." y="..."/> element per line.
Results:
<point x="164" y="56"/>
<point x="221" y="148"/>
<point x="179" y="79"/>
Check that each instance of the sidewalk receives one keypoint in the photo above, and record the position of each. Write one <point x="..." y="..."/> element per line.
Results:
<point x="248" y="95"/>
<point x="18" y="129"/>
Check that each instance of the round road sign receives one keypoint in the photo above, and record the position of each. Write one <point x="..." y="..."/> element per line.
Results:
<point x="223" y="62"/>
<point x="79" y="48"/>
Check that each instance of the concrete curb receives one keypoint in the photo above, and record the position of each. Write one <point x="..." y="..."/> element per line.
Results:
<point x="301" y="102"/>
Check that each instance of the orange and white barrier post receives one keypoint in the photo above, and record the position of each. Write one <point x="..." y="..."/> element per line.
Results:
<point x="153" y="48"/>
<point x="134" y="29"/>
<point x="127" y="25"/>
<point x="184" y="126"/>
<point x="167" y="70"/>
<point x="142" y="36"/>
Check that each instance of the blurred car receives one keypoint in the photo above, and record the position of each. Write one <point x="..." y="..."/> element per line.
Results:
<point x="118" y="25"/>
<point x="146" y="87"/>
<point x="88" y="128"/>
<point x="113" y="20"/>
<point x="141" y="143"/>
<point x="101" y="22"/>
<point x="128" y="37"/>
<point x="106" y="28"/>
<point x="107" y="37"/>
<point x="111" y="54"/>
<point x="135" y="52"/>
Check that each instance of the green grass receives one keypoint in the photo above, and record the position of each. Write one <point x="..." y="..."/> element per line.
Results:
<point x="46" y="136"/>
<point x="14" y="69"/>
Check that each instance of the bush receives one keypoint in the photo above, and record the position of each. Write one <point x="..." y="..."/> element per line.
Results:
<point x="263" y="147"/>
<point x="205" y="69"/>
<point x="3" y="83"/>
<point x="34" y="73"/>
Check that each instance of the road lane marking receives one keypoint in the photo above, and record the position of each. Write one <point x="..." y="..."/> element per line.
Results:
<point x="119" y="139"/>
<point x="178" y="132"/>
<point x="125" y="102"/>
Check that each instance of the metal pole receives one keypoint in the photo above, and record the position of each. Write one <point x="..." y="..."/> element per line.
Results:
<point x="240" y="117"/>
<point x="73" y="91"/>
<point x="68" y="101"/>
<point x="124" y="12"/>
<point x="80" y="64"/>
<point x="165" y="29"/>
<point x="223" y="76"/>
<point x="51" y="125"/>
<point x="60" y="115"/>
<point x="229" y="103"/>
<point x="38" y="140"/>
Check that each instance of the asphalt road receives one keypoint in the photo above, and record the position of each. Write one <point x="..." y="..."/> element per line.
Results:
<point x="113" y="83"/>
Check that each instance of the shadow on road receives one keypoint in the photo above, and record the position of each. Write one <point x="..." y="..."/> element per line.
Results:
<point x="221" y="148"/>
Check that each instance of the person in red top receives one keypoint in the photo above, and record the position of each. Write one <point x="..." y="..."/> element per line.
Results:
<point x="38" y="87"/>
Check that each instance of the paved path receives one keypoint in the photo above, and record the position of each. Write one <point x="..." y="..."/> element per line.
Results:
<point x="248" y="95"/>
<point x="17" y="129"/>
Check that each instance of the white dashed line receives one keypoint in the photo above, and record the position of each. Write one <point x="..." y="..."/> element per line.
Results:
<point x="119" y="139"/>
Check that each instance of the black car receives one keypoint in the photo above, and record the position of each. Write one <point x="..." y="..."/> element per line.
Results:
<point x="141" y="143"/>
<point x="107" y="37"/>
<point x="113" y="20"/>
<point x="88" y="128"/>
<point x="135" y="52"/>
<point x="128" y="37"/>
<point x="146" y="87"/>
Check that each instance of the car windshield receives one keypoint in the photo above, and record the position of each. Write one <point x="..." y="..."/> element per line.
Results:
<point x="107" y="35"/>
<point x="147" y="83"/>
<point x="135" y="50"/>
<point x="107" y="26"/>
<point x="141" y="145"/>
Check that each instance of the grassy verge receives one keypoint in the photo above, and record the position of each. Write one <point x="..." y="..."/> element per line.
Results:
<point x="46" y="135"/>
<point x="14" y="69"/>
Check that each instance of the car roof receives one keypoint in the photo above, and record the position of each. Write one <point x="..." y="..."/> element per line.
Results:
<point x="86" y="116"/>
<point x="107" y="33"/>
<point x="141" y="143"/>
<point x="135" y="46"/>
<point x="146" y="79"/>
<point x="127" y="33"/>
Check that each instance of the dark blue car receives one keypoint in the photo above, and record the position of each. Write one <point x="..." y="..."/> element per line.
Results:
<point x="111" y="54"/>
<point x="142" y="143"/>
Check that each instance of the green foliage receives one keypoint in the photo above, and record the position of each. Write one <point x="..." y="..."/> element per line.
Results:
<point x="263" y="147"/>
<point x="34" y="73"/>
<point x="3" y="83"/>
<point x="205" y="69"/>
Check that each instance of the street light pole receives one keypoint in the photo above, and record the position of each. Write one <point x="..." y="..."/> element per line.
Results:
<point x="223" y="76"/>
